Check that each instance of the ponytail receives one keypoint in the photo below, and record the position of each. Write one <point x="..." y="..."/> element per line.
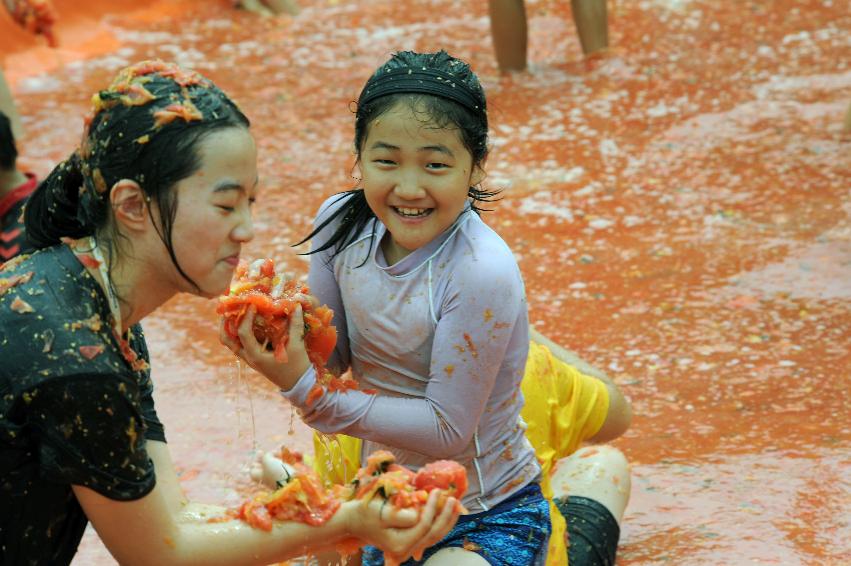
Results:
<point x="53" y="210"/>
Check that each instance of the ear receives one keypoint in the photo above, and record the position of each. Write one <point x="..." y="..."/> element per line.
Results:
<point x="129" y="204"/>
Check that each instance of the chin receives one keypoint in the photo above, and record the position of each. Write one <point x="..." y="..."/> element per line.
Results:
<point x="209" y="288"/>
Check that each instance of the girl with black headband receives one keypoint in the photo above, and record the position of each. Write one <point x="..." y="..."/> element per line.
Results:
<point x="155" y="201"/>
<point x="430" y="310"/>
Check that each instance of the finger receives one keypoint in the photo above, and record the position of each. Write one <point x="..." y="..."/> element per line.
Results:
<point x="296" y="349"/>
<point x="245" y="332"/>
<point x="314" y="302"/>
<point x="416" y="538"/>
<point x="393" y="517"/>
<point x="227" y="339"/>
<point x="441" y="525"/>
<point x="296" y="327"/>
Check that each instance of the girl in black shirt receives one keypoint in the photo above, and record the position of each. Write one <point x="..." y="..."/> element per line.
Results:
<point x="155" y="201"/>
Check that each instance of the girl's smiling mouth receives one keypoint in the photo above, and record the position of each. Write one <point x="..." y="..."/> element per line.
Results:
<point x="407" y="212"/>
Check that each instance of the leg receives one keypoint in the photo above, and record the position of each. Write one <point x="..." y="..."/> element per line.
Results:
<point x="508" y="32"/>
<point x="597" y="481"/>
<point x="290" y="7"/>
<point x="600" y="473"/>
<point x="254" y="6"/>
<point x="455" y="557"/>
<point x="7" y="107"/>
<point x="592" y="24"/>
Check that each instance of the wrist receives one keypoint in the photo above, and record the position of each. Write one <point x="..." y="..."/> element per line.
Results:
<point x="349" y="514"/>
<point x="297" y="370"/>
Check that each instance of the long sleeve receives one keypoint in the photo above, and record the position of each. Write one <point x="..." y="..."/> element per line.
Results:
<point x="479" y="319"/>
<point x="323" y="285"/>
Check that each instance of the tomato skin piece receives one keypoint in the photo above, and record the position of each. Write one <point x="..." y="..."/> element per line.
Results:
<point x="315" y="393"/>
<point x="255" y="514"/>
<point x="91" y="352"/>
<point x="443" y="474"/>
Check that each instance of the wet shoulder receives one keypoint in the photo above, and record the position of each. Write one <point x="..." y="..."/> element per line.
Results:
<point x="53" y="319"/>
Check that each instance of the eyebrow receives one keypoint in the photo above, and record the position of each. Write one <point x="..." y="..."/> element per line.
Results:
<point x="229" y="185"/>
<point x="437" y="147"/>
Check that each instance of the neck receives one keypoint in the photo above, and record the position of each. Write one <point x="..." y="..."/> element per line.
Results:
<point x="10" y="179"/>
<point x="138" y="291"/>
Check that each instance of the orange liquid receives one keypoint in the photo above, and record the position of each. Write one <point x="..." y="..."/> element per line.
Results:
<point x="680" y="214"/>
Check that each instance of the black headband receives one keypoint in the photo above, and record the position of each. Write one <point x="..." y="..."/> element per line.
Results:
<point x="425" y="81"/>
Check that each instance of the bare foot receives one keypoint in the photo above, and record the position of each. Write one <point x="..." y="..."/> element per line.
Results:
<point x="269" y="470"/>
<point x="290" y="7"/>
<point x="270" y="7"/>
<point x="255" y="7"/>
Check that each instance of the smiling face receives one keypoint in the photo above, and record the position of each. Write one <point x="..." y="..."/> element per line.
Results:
<point x="416" y="177"/>
<point x="213" y="218"/>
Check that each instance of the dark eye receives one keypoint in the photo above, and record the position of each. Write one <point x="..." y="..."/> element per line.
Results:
<point x="225" y="208"/>
<point x="437" y="165"/>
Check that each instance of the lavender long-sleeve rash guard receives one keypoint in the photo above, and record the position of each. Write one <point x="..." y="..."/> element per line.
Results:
<point x="443" y="336"/>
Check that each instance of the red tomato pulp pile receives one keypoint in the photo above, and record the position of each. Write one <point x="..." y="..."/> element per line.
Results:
<point x="275" y="299"/>
<point x="302" y="497"/>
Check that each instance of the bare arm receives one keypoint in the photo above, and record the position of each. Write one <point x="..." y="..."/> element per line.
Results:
<point x="7" y="107"/>
<point x="164" y="528"/>
<point x="619" y="416"/>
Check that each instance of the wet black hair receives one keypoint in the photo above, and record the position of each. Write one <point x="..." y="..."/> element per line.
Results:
<point x="471" y="121"/>
<point x="147" y="127"/>
<point x="8" y="151"/>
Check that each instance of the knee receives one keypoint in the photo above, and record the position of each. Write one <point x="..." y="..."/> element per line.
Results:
<point x="589" y="467"/>
<point x="602" y="455"/>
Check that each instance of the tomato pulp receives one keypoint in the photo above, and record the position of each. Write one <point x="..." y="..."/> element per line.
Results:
<point x="275" y="299"/>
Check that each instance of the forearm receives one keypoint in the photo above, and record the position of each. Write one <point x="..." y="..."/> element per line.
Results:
<point x="235" y="542"/>
<point x="192" y="539"/>
<point x="164" y="528"/>
<point x="420" y="424"/>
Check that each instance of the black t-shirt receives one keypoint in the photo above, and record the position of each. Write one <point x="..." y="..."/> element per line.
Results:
<point x="72" y="410"/>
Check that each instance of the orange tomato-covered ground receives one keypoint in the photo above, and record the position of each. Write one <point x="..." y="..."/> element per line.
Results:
<point x="680" y="212"/>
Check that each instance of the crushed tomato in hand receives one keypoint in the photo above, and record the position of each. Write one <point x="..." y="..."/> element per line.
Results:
<point x="303" y="498"/>
<point x="275" y="299"/>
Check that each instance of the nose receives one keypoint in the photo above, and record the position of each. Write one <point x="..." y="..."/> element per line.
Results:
<point x="408" y="186"/>
<point x="244" y="230"/>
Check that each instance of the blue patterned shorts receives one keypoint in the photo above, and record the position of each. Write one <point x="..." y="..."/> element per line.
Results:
<point x="515" y="532"/>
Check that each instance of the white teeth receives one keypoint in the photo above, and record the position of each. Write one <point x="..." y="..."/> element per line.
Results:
<point x="411" y="211"/>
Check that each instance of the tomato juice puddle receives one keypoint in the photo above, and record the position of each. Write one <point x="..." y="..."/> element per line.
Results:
<point x="677" y="213"/>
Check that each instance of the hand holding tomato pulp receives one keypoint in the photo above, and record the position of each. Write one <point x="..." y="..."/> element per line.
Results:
<point x="302" y="497"/>
<point x="275" y="299"/>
